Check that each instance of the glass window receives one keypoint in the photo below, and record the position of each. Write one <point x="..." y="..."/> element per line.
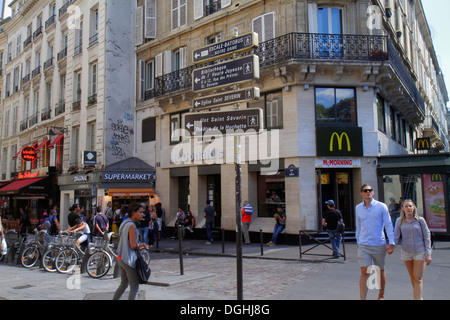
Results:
<point x="381" y="114"/>
<point x="335" y="105"/>
<point x="272" y="104"/>
<point x="271" y="193"/>
<point x="392" y="124"/>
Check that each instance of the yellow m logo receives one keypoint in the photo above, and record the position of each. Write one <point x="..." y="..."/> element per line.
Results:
<point x="340" y="139"/>
<point x="436" y="177"/>
<point x="423" y="144"/>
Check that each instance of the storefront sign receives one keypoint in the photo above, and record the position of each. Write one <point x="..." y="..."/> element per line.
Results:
<point x="89" y="158"/>
<point x="434" y="200"/>
<point x="27" y="175"/>
<point x="338" y="163"/>
<point x="127" y="177"/>
<point x="339" y="141"/>
<point x="423" y="144"/>
<point x="292" y="171"/>
<point x="28" y="154"/>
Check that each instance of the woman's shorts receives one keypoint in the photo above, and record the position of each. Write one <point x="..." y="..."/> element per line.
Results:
<point x="83" y="238"/>
<point x="405" y="256"/>
<point x="371" y="255"/>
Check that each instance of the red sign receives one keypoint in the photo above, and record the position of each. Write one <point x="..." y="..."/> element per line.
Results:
<point x="28" y="154"/>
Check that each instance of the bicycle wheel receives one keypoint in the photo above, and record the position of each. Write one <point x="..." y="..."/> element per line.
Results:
<point x="66" y="260"/>
<point x="49" y="258"/>
<point x="98" y="264"/>
<point x="29" y="257"/>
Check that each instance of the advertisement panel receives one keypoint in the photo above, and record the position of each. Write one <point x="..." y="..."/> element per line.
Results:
<point x="434" y="200"/>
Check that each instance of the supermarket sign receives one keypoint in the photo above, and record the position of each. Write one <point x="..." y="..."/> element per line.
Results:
<point x="338" y="163"/>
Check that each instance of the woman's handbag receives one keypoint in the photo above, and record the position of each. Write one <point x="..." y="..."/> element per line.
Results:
<point x="3" y="247"/>
<point x="142" y="269"/>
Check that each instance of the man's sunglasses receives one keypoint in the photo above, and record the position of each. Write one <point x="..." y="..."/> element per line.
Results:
<point x="367" y="190"/>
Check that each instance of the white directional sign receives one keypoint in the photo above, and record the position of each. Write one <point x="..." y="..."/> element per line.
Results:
<point x="227" y="73"/>
<point x="224" y="48"/>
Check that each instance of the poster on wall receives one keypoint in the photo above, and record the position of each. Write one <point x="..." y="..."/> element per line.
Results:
<point x="434" y="200"/>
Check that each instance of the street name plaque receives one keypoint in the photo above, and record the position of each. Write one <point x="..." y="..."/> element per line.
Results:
<point x="227" y="98"/>
<point x="225" y="122"/>
<point x="221" y="49"/>
<point x="227" y="73"/>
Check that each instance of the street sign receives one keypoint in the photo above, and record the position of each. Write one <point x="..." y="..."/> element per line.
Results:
<point x="237" y="96"/>
<point x="227" y="73"/>
<point x="225" y="48"/>
<point x="225" y="122"/>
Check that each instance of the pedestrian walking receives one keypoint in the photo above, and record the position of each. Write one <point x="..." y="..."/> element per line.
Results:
<point x="247" y="211"/>
<point x="372" y="218"/>
<point x="101" y="223"/>
<point x="280" y="225"/>
<point x="126" y="253"/>
<point x="110" y="215"/>
<point x="209" y="213"/>
<point x="412" y="233"/>
<point x="330" y="220"/>
<point x="144" y="225"/>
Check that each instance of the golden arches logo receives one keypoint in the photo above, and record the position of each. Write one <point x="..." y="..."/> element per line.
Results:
<point x="436" y="177"/>
<point x="340" y="139"/>
<point x="423" y="144"/>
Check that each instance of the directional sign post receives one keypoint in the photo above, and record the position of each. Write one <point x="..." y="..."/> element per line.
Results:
<point x="224" y="48"/>
<point x="225" y="74"/>
<point x="224" y="122"/>
<point x="227" y="98"/>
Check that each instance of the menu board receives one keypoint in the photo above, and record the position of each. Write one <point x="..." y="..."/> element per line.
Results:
<point x="434" y="199"/>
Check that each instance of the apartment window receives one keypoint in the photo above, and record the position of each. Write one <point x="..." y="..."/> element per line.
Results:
<point x="6" y="124"/>
<point x="272" y="104"/>
<point x="93" y="79"/>
<point x="176" y="124"/>
<point x="179" y="13"/>
<point x="149" y="75"/>
<point x="149" y="129"/>
<point x="77" y="88"/>
<point x="48" y="97"/>
<point x="381" y="111"/>
<point x="264" y="26"/>
<point x="392" y="124"/>
<point x="75" y="146"/>
<point x="335" y="106"/>
<point x="78" y="40"/>
<point x="90" y="140"/>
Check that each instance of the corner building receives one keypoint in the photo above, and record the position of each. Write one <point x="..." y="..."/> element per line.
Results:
<point x="340" y="88"/>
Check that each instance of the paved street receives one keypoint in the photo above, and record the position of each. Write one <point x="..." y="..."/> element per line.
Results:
<point x="210" y="274"/>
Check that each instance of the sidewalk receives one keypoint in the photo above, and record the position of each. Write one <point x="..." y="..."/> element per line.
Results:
<point x="340" y="281"/>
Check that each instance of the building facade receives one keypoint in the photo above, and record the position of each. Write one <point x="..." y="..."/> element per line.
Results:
<point x="341" y="84"/>
<point x="101" y="89"/>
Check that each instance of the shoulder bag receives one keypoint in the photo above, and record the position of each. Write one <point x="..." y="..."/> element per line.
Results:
<point x="142" y="269"/>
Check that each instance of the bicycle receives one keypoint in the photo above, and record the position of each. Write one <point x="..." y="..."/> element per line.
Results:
<point x="33" y="249"/>
<point x="53" y="249"/>
<point x="70" y="255"/>
<point x="100" y="261"/>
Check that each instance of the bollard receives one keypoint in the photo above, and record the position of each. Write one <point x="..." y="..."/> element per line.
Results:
<point x="180" y="249"/>
<point x="261" y="241"/>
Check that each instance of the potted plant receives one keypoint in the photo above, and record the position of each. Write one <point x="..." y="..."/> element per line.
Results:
<point x="378" y="55"/>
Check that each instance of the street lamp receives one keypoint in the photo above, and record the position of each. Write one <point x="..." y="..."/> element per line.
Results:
<point x="51" y="131"/>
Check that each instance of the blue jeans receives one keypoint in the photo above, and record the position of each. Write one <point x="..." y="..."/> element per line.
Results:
<point x="335" y="239"/>
<point x="276" y="231"/>
<point x="143" y="233"/>
<point x="209" y="233"/>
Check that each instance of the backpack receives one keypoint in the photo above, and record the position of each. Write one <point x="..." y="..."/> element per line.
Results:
<point x="53" y="227"/>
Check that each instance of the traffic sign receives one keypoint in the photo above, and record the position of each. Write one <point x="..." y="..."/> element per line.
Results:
<point x="225" y="122"/>
<point x="227" y="73"/>
<point x="225" y="48"/>
<point x="242" y="95"/>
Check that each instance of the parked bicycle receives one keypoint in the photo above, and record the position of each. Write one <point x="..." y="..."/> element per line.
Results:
<point x="33" y="249"/>
<point x="53" y="249"/>
<point x="70" y="255"/>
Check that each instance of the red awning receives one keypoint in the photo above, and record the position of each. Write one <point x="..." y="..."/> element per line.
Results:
<point x="51" y="145"/>
<point x="19" y="184"/>
<point x="41" y="145"/>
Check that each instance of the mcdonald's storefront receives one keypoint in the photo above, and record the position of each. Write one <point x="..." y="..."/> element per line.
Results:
<point x="423" y="178"/>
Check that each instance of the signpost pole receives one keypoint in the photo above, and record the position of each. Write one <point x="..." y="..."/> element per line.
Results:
<point x="237" y="149"/>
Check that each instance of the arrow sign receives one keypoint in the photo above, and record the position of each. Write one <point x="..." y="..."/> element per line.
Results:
<point x="237" y="96"/>
<point x="224" y="48"/>
<point x="224" y="74"/>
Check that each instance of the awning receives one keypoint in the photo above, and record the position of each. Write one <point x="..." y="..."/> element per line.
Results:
<point x="51" y="145"/>
<point x="130" y="192"/>
<point x="42" y="144"/>
<point x="15" y="186"/>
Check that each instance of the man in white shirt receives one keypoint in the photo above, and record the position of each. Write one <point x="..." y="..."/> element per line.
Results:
<point x="372" y="217"/>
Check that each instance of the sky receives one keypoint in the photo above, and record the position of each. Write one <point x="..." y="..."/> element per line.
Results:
<point x="436" y="12"/>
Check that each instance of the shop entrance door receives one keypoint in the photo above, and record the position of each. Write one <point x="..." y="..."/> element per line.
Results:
<point x="336" y="184"/>
<point x="214" y="195"/>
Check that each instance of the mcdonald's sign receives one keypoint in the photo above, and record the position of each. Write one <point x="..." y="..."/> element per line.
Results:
<point x="339" y="141"/>
<point x="423" y="144"/>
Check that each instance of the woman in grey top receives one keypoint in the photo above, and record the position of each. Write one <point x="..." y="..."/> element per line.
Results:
<point x="415" y="243"/>
<point x="126" y="253"/>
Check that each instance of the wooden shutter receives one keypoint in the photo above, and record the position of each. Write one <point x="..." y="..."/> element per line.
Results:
<point x="150" y="19"/>
<point x="175" y="14"/>
<point x="159" y="65"/>
<point x="225" y="3"/>
<point x="312" y="18"/>
<point x="142" y="80"/>
<point x="198" y="9"/>
<point x="264" y="26"/>
<point x="139" y="26"/>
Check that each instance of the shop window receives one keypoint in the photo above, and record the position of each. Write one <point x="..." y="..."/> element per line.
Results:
<point x="271" y="193"/>
<point x="149" y="129"/>
<point x="335" y="106"/>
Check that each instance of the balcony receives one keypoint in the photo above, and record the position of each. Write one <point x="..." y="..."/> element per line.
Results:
<point x="60" y="107"/>
<point x="33" y="120"/>
<point x="78" y="49"/>
<point x="36" y="72"/>
<point x="28" y="41"/>
<point x="46" y="114"/>
<point x="24" y="125"/>
<point x="26" y="79"/>
<point x="431" y="129"/>
<point x="37" y="33"/>
<point x="62" y="54"/>
<point x="48" y="63"/>
<point x="93" y="39"/>
<point x="50" y="22"/>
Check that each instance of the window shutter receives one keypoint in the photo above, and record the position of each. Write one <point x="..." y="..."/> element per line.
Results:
<point x="198" y="9"/>
<point x="312" y="18"/>
<point x="167" y="61"/>
<point x="257" y="27"/>
<point x="158" y="65"/>
<point x="150" y="19"/>
<point x="175" y="13"/>
<point x="139" y="26"/>
<point x="142" y="80"/>
<point x="183" y="13"/>
<point x="264" y="26"/>
<point x="225" y="3"/>
<point x="183" y="61"/>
